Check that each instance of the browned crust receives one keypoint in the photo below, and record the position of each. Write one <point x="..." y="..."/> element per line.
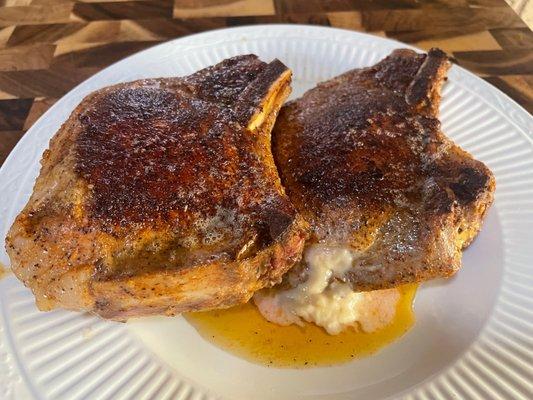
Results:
<point x="363" y="159"/>
<point x="156" y="150"/>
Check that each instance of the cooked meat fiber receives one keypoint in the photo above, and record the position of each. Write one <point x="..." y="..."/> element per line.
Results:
<point x="161" y="196"/>
<point x="363" y="159"/>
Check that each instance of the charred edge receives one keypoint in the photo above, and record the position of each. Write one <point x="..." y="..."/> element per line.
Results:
<point x="428" y="76"/>
<point x="276" y="221"/>
<point x="251" y="97"/>
<point x="471" y="184"/>
<point x="224" y="82"/>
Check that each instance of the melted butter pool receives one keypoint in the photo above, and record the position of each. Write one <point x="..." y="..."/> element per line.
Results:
<point x="244" y="332"/>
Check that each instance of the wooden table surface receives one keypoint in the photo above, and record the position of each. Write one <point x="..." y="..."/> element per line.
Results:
<point x="49" y="46"/>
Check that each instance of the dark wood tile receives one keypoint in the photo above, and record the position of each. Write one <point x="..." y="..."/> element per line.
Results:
<point x="430" y="34"/>
<point x="46" y="33"/>
<point x="311" y="19"/>
<point x="8" y="140"/>
<point x="38" y="108"/>
<point x="313" y="6"/>
<point x="173" y="28"/>
<point x="124" y="10"/>
<point x="97" y="56"/>
<point x="520" y="38"/>
<point x="13" y="113"/>
<point x="319" y="6"/>
<point x="49" y="46"/>
<point x="498" y="62"/>
<point x="52" y="82"/>
<point x="487" y="3"/>
<point x="469" y="19"/>
<point x="517" y="87"/>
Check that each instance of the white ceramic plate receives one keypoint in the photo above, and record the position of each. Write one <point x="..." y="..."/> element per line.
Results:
<point x="473" y="338"/>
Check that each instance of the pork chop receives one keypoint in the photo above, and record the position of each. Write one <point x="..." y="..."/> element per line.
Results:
<point x="161" y="196"/>
<point x="363" y="159"/>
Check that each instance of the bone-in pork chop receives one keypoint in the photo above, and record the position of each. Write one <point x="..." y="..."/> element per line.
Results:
<point x="161" y="196"/>
<point x="363" y="159"/>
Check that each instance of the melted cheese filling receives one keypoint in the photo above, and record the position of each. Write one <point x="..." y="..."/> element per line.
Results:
<point x="326" y="300"/>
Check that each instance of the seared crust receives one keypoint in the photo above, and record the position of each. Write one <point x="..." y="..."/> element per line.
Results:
<point x="364" y="161"/>
<point x="161" y="196"/>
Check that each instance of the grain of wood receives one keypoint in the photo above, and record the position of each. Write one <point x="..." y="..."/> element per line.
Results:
<point x="210" y="8"/>
<point x="38" y="108"/>
<point x="49" y="46"/>
<point x="83" y="55"/>
<point x="524" y="8"/>
<point x="9" y="140"/>
<point x="35" y="15"/>
<point x="516" y="86"/>
<point x="12" y="3"/>
<point x="145" y="9"/>
<point x="44" y="33"/>
<point x="5" y="34"/>
<point x="346" y="20"/>
<point x="520" y="38"/>
<point x="51" y="82"/>
<point x="469" y="42"/>
<point x="508" y="62"/>
<point x="441" y="20"/>
<point x="7" y="96"/>
<point x="30" y="57"/>
<point x="12" y="113"/>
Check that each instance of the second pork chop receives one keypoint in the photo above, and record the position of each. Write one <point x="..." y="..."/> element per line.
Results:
<point x="363" y="159"/>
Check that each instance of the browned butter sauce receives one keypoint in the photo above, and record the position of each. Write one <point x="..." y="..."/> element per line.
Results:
<point x="244" y="332"/>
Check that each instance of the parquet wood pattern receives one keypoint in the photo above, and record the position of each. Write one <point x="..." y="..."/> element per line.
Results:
<point x="49" y="46"/>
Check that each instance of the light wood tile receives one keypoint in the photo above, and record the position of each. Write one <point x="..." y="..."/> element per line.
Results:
<point x="346" y="20"/>
<point x="26" y="57"/>
<point x="5" y="34"/>
<point x="225" y="8"/>
<point x="35" y="14"/>
<point x="49" y="46"/>
<point x="474" y="41"/>
<point x="13" y="3"/>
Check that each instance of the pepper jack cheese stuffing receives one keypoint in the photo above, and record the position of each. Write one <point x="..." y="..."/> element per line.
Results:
<point x="324" y="299"/>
